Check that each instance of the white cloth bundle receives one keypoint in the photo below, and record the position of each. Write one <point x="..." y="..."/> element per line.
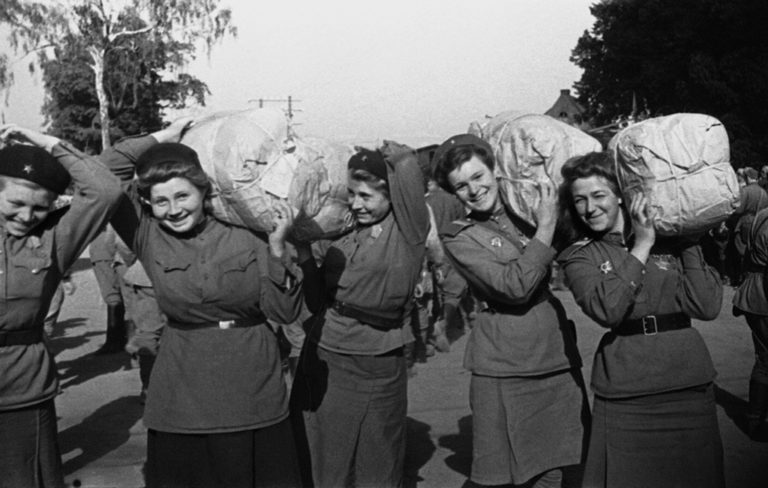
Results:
<point x="252" y="162"/>
<point x="529" y="148"/>
<point x="681" y="162"/>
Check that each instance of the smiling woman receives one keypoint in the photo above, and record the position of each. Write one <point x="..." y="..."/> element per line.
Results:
<point x="38" y="245"/>
<point x="527" y="394"/>
<point x="23" y="204"/>
<point x="217" y="405"/>
<point x="655" y="421"/>
<point x="354" y="352"/>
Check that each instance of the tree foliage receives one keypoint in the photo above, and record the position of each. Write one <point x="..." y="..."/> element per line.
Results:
<point x="111" y="66"/>
<point x="704" y="56"/>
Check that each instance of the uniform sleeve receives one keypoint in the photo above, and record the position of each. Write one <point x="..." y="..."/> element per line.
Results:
<point x="121" y="160"/>
<point x="605" y="290"/>
<point x="121" y="157"/>
<point x="406" y="188"/>
<point x="701" y="291"/>
<point x="281" y="291"/>
<point x="96" y="194"/>
<point x="513" y="282"/>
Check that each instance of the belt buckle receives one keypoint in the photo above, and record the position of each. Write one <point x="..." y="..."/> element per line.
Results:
<point x="226" y="324"/>
<point x="648" y="329"/>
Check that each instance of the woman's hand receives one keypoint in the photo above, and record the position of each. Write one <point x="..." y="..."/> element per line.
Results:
<point x="282" y="220"/>
<point x="546" y="211"/>
<point x="175" y="130"/>
<point x="642" y="216"/>
<point x="12" y="133"/>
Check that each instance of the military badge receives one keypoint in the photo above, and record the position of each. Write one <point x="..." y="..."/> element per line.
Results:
<point x="606" y="267"/>
<point x="496" y="242"/>
<point x="663" y="261"/>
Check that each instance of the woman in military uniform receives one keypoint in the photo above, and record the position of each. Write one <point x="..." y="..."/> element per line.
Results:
<point x="529" y="405"/>
<point x="654" y="417"/>
<point x="350" y="388"/>
<point x="37" y="246"/>
<point x="217" y="404"/>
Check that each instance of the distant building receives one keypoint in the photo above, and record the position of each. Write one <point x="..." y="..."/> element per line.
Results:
<point x="567" y="109"/>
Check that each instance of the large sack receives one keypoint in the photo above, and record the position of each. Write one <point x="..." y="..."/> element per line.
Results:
<point x="252" y="162"/>
<point x="483" y="128"/>
<point x="681" y="162"/>
<point x="529" y="148"/>
<point x="319" y="189"/>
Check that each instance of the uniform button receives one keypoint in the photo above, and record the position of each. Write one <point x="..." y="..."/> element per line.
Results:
<point x="35" y="271"/>
<point x="1" y="271"/>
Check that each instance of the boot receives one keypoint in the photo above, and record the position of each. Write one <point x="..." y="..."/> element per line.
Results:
<point x="758" y="407"/>
<point x="116" y="330"/>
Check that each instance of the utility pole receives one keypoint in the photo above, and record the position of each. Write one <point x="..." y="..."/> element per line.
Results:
<point x="288" y="113"/>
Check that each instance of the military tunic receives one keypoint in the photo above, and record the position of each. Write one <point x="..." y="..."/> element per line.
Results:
<point x="31" y="268"/>
<point x="611" y="286"/>
<point x="527" y="394"/>
<point x="354" y="352"/>
<point x="654" y="414"/>
<point x="208" y="379"/>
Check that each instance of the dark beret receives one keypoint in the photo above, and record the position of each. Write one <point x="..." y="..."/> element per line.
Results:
<point x="34" y="164"/>
<point x="370" y="161"/>
<point x="456" y="141"/>
<point x="166" y="152"/>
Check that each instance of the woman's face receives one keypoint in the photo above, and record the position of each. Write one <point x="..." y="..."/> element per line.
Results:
<point x="474" y="184"/>
<point x="368" y="204"/>
<point x="597" y="205"/>
<point x="177" y="204"/>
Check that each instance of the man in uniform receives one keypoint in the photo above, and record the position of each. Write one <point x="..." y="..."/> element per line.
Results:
<point x="37" y="246"/>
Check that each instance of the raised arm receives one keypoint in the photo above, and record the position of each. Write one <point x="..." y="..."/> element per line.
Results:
<point x="406" y="188"/>
<point x="701" y="292"/>
<point x="498" y="278"/>
<point x="605" y="290"/>
<point x="95" y="196"/>
<point x="121" y="160"/>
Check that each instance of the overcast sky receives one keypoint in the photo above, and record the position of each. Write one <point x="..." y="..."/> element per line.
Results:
<point x="416" y="71"/>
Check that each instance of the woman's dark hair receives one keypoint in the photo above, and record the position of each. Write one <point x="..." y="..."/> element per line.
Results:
<point x="370" y="179"/>
<point x="454" y="158"/>
<point x="166" y="170"/>
<point x="599" y="164"/>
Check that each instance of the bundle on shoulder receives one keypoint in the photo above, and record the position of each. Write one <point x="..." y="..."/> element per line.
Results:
<point x="681" y="162"/>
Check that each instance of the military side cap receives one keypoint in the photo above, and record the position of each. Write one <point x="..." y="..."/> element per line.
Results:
<point x="370" y="161"/>
<point x="166" y="152"/>
<point x="34" y="164"/>
<point x="457" y="141"/>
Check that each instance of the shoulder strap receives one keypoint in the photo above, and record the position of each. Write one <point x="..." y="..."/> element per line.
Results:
<point x="452" y="229"/>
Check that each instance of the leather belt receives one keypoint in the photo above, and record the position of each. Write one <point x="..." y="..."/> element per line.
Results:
<point x="221" y="324"/>
<point x="22" y="337"/>
<point x="375" y="321"/>
<point x="653" y="324"/>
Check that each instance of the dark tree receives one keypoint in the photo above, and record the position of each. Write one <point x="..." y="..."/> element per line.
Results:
<point x="134" y="35"/>
<point x="705" y="56"/>
<point x="135" y="90"/>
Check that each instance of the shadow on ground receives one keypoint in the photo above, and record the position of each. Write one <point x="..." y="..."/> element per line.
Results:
<point x="76" y="371"/>
<point x="100" y="433"/>
<point x="419" y="449"/>
<point x="461" y="445"/>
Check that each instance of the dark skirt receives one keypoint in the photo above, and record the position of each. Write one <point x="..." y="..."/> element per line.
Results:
<point x="263" y="457"/>
<point x="29" y="451"/>
<point x="667" y="439"/>
<point x="352" y="410"/>
<point x="525" y="426"/>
